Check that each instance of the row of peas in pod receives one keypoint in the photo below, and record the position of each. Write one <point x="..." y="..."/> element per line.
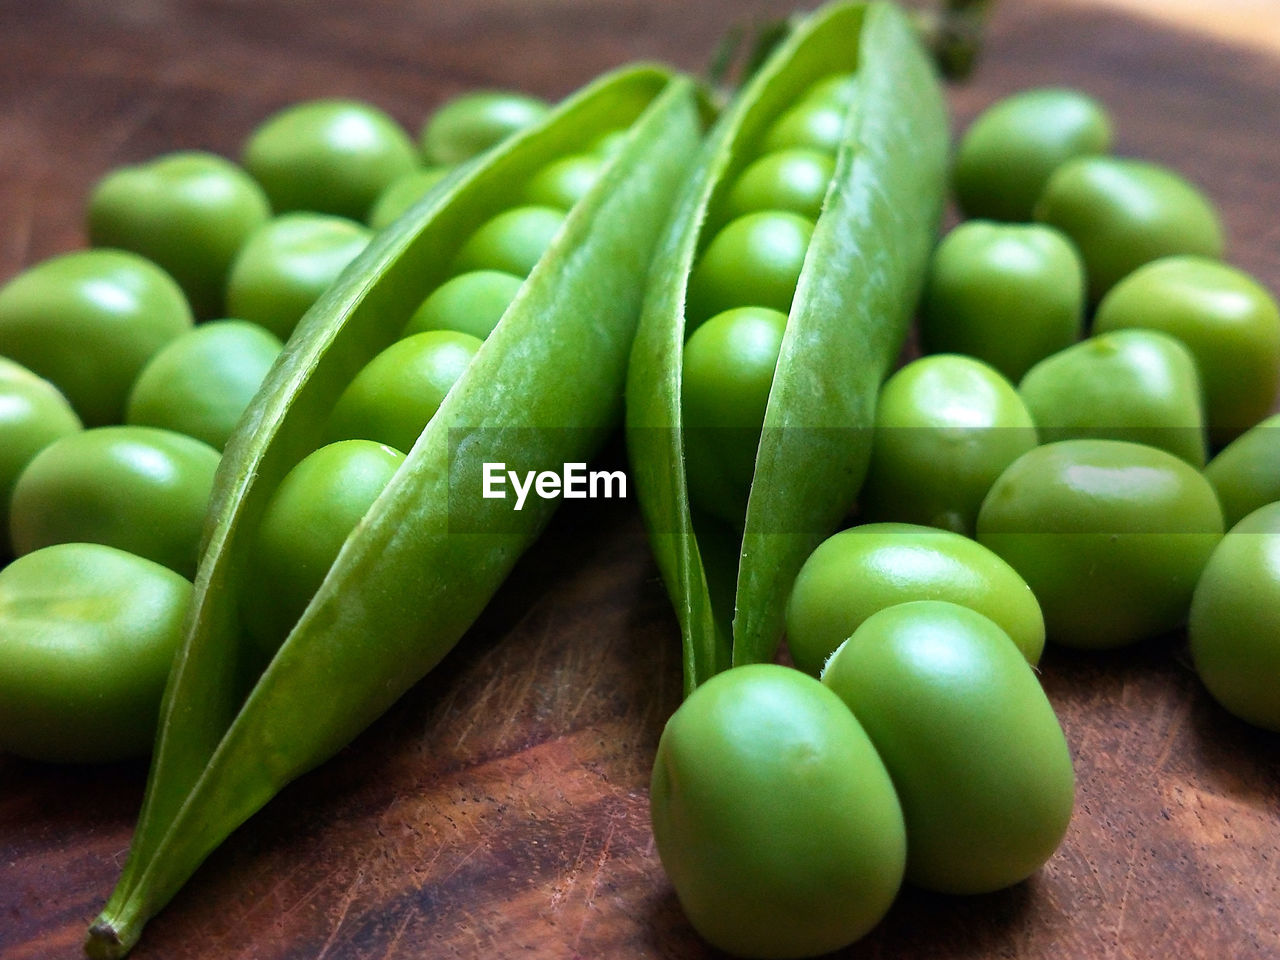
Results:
<point x="1023" y="485"/>
<point x="106" y="521"/>
<point x="386" y="555"/>
<point x="789" y="811"/>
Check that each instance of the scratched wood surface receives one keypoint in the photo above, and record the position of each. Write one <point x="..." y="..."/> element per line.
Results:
<point x="499" y="810"/>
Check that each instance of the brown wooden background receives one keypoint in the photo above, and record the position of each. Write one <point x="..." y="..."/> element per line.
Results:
<point x="500" y="809"/>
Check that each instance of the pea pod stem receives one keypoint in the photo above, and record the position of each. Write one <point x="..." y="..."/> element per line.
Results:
<point x="543" y="390"/>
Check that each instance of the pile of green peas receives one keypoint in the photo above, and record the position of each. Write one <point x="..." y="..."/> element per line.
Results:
<point x="125" y="368"/>
<point x="1026" y="483"/>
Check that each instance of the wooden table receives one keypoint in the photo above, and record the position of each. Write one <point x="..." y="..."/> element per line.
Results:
<point x="499" y="810"/>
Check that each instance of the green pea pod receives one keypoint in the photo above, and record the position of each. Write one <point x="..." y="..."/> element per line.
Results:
<point x="544" y="389"/>
<point x="860" y="281"/>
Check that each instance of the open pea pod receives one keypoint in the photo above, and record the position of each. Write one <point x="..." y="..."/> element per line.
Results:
<point x="859" y="283"/>
<point x="544" y="389"/>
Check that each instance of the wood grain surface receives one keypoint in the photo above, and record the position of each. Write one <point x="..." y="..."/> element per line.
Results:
<point x="499" y="810"/>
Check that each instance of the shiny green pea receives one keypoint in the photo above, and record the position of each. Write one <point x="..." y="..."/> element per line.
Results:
<point x="135" y="488"/>
<point x="1135" y="385"/>
<point x="328" y="156"/>
<point x="1110" y="535"/>
<point x="608" y="144"/>
<point x="774" y="817"/>
<point x="1228" y="321"/>
<point x="88" y="322"/>
<point x="754" y="260"/>
<point x="1008" y="294"/>
<point x="838" y="88"/>
<point x="87" y="635"/>
<point x="1246" y="474"/>
<point x="474" y="122"/>
<point x="317" y="505"/>
<point x="33" y="414"/>
<point x="287" y="263"/>
<point x="202" y="382"/>
<point x="1009" y="152"/>
<point x="1123" y="213"/>
<point x="401" y="194"/>
<point x="189" y="212"/>
<point x="399" y="391"/>
<point x="562" y="183"/>
<point x="728" y="372"/>
<point x="877" y="565"/>
<point x="977" y="757"/>
<point x="794" y="180"/>
<point x="512" y="242"/>
<point x="1235" y="620"/>
<point x="469" y="303"/>
<point x="810" y="125"/>
<point x="946" y="426"/>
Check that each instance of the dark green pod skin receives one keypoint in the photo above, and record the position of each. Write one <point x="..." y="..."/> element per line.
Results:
<point x="545" y="389"/>
<point x="860" y="281"/>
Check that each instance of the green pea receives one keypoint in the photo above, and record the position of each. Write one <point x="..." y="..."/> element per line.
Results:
<point x="1123" y="213"/>
<point x="1225" y="318"/>
<point x="401" y="194"/>
<point x="1110" y="535"/>
<point x="469" y="303"/>
<point x="728" y="372"/>
<point x="754" y="260"/>
<point x="399" y="391"/>
<point x="838" y="88"/>
<point x="609" y="144"/>
<point x="562" y="183"/>
<point x="317" y="505"/>
<point x="33" y="414"/>
<point x="975" y="752"/>
<point x="88" y="322"/>
<point x="202" y="382"/>
<point x="287" y="264"/>
<point x="512" y="242"/>
<point x="1135" y="385"/>
<point x="87" y="635"/>
<point x="1246" y="475"/>
<point x="135" y="488"/>
<point x="328" y="156"/>
<point x="1235" y="620"/>
<point x="812" y="125"/>
<point x="794" y="180"/>
<point x="474" y="122"/>
<point x="774" y="817"/>
<point x="877" y="565"/>
<point x="189" y="212"/>
<point x="1009" y="152"/>
<point x="1008" y="294"/>
<point x="946" y="426"/>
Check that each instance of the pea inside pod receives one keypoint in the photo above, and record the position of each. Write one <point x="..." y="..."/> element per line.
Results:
<point x="847" y="282"/>
<point x="411" y="575"/>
